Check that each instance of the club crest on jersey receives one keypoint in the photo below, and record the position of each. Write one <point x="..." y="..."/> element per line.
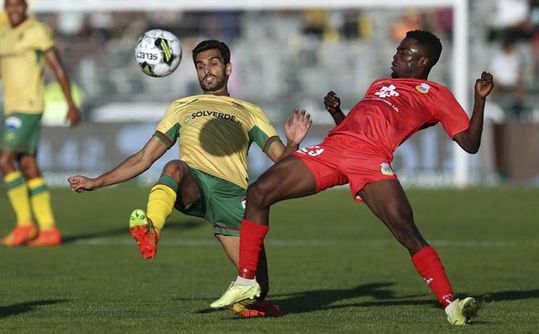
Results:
<point x="386" y="169"/>
<point x="423" y="88"/>
<point x="387" y="91"/>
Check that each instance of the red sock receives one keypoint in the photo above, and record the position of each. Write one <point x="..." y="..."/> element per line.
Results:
<point x="251" y="240"/>
<point x="428" y="265"/>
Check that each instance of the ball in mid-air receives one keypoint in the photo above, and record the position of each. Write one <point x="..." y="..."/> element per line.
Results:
<point x="158" y="52"/>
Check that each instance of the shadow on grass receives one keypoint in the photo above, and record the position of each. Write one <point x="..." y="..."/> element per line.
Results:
<point x="180" y="226"/>
<point x="309" y="301"/>
<point x="16" y="309"/>
<point x="316" y="300"/>
<point x="508" y="296"/>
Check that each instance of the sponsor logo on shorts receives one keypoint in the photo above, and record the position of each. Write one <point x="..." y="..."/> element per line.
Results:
<point x="244" y="202"/>
<point x="13" y="123"/>
<point x="423" y="88"/>
<point x="386" y="169"/>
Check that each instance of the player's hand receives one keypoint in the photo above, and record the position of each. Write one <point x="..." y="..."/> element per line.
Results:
<point x="332" y="102"/>
<point x="73" y="116"/>
<point x="484" y="85"/>
<point x="297" y="126"/>
<point x="81" y="183"/>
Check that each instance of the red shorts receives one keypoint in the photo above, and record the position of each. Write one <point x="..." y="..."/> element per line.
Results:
<point x="340" y="160"/>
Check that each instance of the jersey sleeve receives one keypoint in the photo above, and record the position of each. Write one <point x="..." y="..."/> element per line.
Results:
<point x="262" y="131"/>
<point x="44" y="38"/>
<point x="450" y="113"/>
<point x="168" y="128"/>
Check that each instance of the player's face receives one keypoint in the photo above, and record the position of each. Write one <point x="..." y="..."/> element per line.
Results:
<point x="16" y="11"/>
<point x="212" y="72"/>
<point x="408" y="61"/>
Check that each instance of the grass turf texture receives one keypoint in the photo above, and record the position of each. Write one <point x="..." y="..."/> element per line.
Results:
<point x="334" y="268"/>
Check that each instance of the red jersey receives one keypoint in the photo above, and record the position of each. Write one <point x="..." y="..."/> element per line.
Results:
<point x="394" y="109"/>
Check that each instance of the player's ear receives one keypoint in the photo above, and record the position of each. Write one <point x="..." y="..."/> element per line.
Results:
<point x="228" y="69"/>
<point x="424" y="62"/>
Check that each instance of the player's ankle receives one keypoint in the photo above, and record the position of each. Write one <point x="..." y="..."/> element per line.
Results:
<point x="244" y="281"/>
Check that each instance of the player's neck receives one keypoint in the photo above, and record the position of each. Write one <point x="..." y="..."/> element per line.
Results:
<point x="220" y="92"/>
<point x="24" y="19"/>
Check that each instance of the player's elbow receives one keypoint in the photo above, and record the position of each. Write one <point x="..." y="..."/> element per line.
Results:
<point x="471" y="148"/>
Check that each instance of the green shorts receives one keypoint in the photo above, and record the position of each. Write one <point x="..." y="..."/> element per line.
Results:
<point x="20" y="133"/>
<point x="221" y="203"/>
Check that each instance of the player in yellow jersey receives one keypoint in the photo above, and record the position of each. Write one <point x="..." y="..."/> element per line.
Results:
<point x="25" y="46"/>
<point x="210" y="178"/>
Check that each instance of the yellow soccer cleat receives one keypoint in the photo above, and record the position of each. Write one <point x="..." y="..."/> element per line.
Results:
<point x="459" y="312"/>
<point x="244" y="294"/>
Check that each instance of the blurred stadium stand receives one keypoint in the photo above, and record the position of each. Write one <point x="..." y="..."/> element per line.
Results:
<point x="284" y="59"/>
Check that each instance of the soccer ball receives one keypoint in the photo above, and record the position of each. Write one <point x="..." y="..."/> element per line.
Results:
<point x="158" y="52"/>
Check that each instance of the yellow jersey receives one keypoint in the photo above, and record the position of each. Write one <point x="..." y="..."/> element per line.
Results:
<point x="21" y="65"/>
<point x="4" y="22"/>
<point x="215" y="133"/>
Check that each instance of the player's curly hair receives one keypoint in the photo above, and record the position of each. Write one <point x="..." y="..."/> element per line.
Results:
<point x="212" y="44"/>
<point x="429" y="42"/>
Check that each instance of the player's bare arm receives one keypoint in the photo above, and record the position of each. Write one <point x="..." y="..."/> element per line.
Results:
<point x="131" y="167"/>
<point x="73" y="116"/>
<point x="332" y="103"/>
<point x="295" y="129"/>
<point x="470" y="139"/>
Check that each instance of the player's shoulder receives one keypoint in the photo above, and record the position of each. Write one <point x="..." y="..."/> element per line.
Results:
<point x="242" y="104"/>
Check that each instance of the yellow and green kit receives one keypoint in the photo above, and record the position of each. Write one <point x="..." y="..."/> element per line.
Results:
<point x="22" y="51"/>
<point x="215" y="133"/>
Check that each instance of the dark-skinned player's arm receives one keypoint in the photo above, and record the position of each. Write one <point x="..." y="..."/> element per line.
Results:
<point x="53" y="60"/>
<point x="131" y="167"/>
<point x="295" y="129"/>
<point x="333" y="105"/>
<point x="470" y="139"/>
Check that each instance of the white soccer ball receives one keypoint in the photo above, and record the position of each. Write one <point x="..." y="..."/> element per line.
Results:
<point x="158" y="52"/>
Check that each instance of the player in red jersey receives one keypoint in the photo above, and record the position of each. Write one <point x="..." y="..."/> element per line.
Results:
<point x="359" y="151"/>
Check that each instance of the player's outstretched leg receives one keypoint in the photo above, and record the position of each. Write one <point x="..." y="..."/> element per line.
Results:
<point x="289" y="178"/>
<point x="142" y="229"/>
<point x="389" y="203"/>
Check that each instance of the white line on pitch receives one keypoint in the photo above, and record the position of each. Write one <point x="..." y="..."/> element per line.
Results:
<point x="315" y="242"/>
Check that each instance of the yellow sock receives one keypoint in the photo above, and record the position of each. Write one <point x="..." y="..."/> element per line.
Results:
<point x="18" y="197"/>
<point x="161" y="202"/>
<point x="41" y="202"/>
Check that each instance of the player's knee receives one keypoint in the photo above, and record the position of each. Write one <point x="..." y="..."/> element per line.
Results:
<point x="29" y="168"/>
<point x="258" y="194"/>
<point x="175" y="169"/>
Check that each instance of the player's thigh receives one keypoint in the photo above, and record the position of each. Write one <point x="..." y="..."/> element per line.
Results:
<point x="289" y="178"/>
<point x="220" y="202"/>
<point x="387" y="200"/>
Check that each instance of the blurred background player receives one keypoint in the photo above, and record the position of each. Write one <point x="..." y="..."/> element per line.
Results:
<point x="359" y="151"/>
<point x="25" y="46"/>
<point x="210" y="178"/>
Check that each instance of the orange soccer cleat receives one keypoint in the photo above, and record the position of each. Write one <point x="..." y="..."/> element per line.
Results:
<point x="20" y="235"/>
<point x="47" y="237"/>
<point x="145" y="234"/>
<point x="261" y="308"/>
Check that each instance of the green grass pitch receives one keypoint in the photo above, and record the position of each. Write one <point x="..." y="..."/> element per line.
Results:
<point x="334" y="268"/>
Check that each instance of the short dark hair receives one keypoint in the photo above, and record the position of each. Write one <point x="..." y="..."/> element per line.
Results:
<point x="429" y="42"/>
<point x="212" y="44"/>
